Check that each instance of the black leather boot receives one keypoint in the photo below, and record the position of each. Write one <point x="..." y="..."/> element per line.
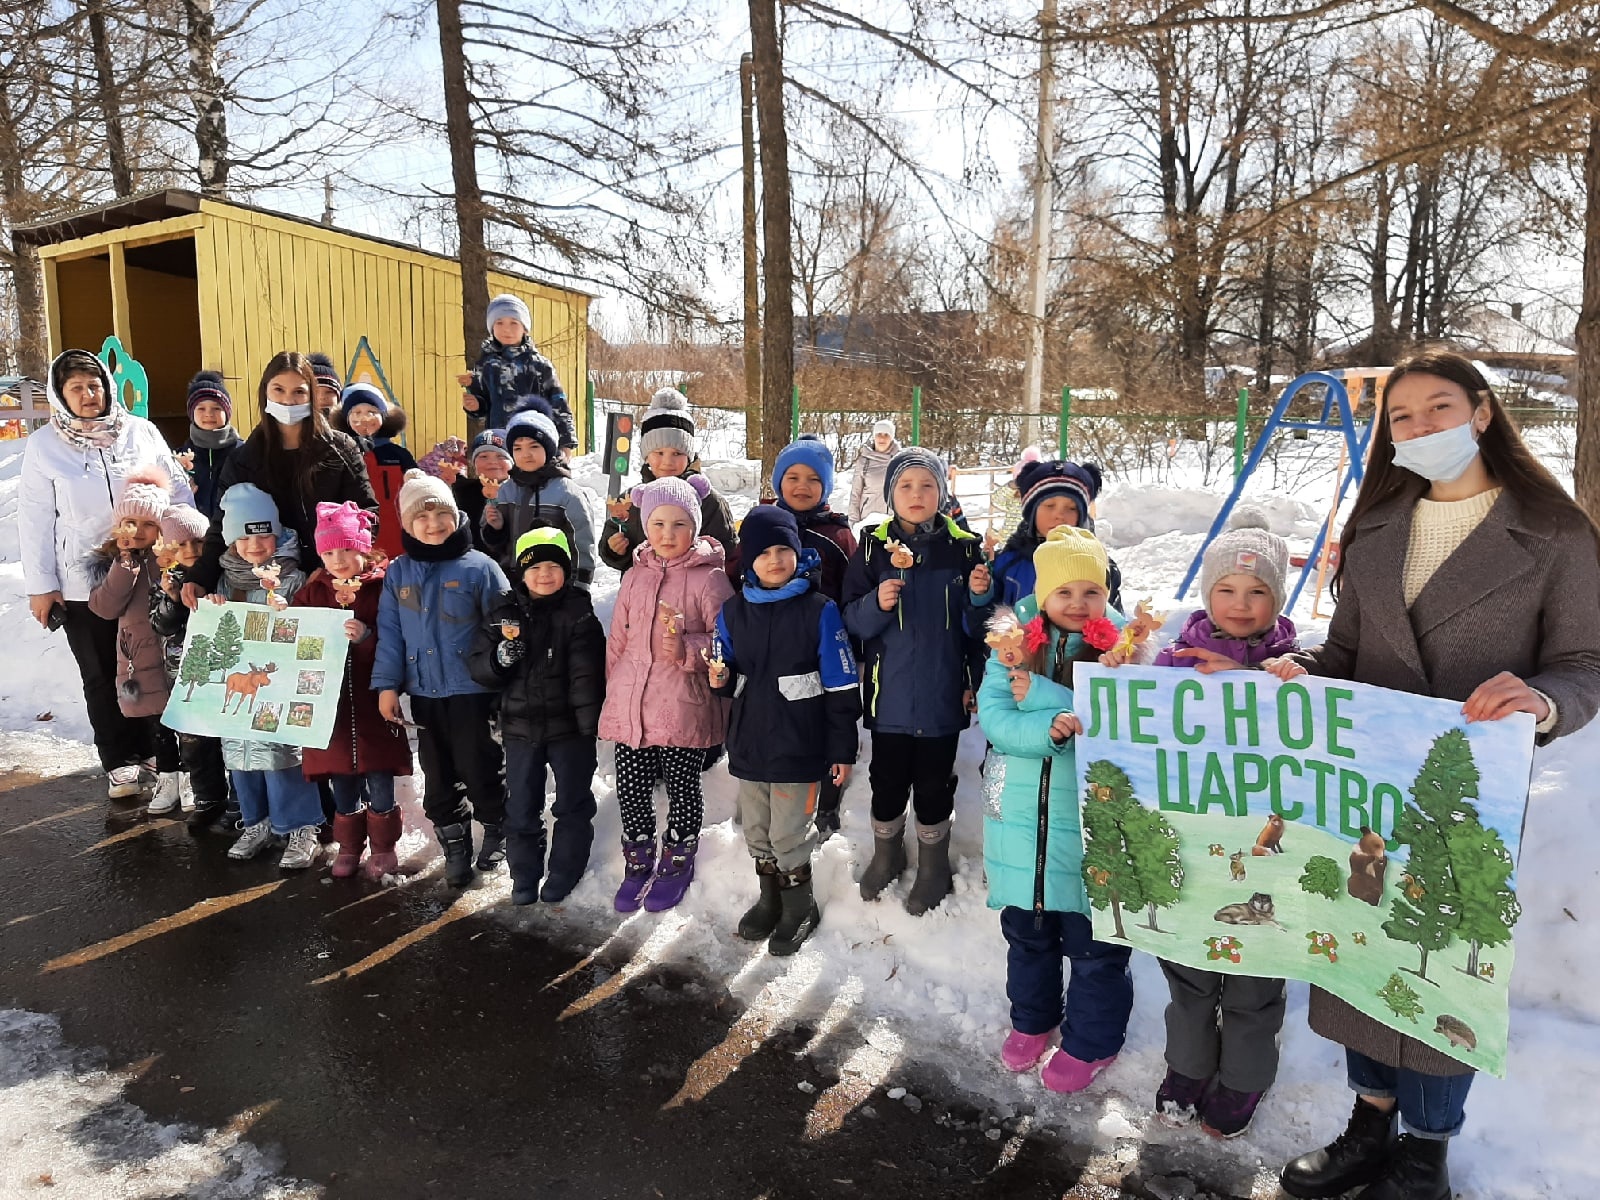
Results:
<point x="493" y="851"/>
<point x="1416" y="1171"/>
<point x="800" y="913"/>
<point x="1357" y="1156"/>
<point x="761" y="918"/>
<point x="457" y="843"/>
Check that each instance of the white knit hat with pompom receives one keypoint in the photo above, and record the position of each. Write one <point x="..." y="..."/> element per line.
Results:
<point x="667" y="423"/>
<point x="1246" y="547"/>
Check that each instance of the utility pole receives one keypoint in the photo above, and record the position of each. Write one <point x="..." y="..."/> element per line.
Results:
<point x="327" y="200"/>
<point x="777" y="263"/>
<point x="1039" y="250"/>
<point x="752" y="262"/>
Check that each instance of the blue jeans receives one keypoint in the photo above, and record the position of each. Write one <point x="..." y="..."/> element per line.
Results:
<point x="285" y="797"/>
<point x="376" y="788"/>
<point x="1093" y="1013"/>
<point x="1431" y="1106"/>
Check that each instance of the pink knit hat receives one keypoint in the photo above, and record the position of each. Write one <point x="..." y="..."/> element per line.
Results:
<point x="182" y="523"/>
<point x="145" y="495"/>
<point x="345" y="526"/>
<point x="685" y="493"/>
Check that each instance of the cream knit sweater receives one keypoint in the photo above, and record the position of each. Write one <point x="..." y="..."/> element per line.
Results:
<point x="1437" y="528"/>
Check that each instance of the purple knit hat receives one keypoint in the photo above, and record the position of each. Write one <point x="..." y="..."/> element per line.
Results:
<point x="685" y="493"/>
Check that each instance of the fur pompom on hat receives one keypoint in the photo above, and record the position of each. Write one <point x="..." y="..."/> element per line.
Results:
<point x="667" y="423"/>
<point x="1037" y="481"/>
<point x="247" y="511"/>
<point x="209" y="385"/>
<point x="808" y="451"/>
<point x="345" y="526"/>
<point x="146" y="495"/>
<point x="507" y="305"/>
<point x="1031" y="455"/>
<point x="1068" y="555"/>
<point x="419" y="493"/>
<point x="183" y="523"/>
<point x="684" y="493"/>
<point x="1246" y="547"/>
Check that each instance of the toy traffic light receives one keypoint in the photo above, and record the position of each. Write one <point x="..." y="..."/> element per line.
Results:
<point x="619" y="445"/>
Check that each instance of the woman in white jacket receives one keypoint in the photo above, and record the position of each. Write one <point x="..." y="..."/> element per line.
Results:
<point x="73" y="471"/>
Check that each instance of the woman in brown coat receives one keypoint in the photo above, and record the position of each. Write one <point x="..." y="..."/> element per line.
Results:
<point x="1466" y="572"/>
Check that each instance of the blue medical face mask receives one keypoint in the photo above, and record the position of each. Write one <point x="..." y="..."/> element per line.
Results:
<point x="288" y="414"/>
<point x="1441" y="457"/>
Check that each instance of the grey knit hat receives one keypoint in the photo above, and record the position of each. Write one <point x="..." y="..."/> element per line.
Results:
<point x="1246" y="547"/>
<point x="916" y="456"/>
<point x="667" y="423"/>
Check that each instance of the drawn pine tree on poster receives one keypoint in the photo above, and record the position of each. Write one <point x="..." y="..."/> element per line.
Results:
<point x="1154" y="844"/>
<point x="1322" y="877"/>
<point x="227" y="643"/>
<point x="1130" y="854"/>
<point x="196" y="667"/>
<point x="1426" y="910"/>
<point x="1489" y="907"/>
<point x="1402" y="1000"/>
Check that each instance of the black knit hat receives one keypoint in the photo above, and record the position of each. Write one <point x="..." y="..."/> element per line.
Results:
<point x="327" y="374"/>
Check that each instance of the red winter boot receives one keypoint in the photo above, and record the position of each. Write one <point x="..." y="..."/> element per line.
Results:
<point x="351" y="834"/>
<point x="384" y="830"/>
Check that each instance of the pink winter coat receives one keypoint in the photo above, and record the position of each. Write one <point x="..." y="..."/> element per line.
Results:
<point x="653" y="703"/>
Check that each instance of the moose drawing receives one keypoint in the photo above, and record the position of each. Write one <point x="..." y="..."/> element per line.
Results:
<point x="245" y="685"/>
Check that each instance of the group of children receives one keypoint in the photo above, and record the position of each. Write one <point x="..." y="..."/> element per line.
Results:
<point x="468" y="592"/>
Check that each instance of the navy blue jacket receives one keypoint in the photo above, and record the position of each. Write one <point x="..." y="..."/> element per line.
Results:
<point x="792" y="676"/>
<point x="505" y="378"/>
<point x="918" y="659"/>
<point x="207" y="472"/>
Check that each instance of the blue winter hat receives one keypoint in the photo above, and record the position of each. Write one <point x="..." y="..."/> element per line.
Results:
<point x="362" y="393"/>
<point x="507" y="305"/>
<point x="808" y="451"/>
<point x="764" y="526"/>
<point x="247" y="510"/>
<point x="916" y="456"/>
<point x="531" y="423"/>
<point x="490" y="441"/>
<point x="1038" y="481"/>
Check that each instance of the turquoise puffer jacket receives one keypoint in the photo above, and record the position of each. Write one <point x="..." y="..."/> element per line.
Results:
<point x="1023" y="751"/>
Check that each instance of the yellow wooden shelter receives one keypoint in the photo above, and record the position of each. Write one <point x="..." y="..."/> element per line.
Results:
<point x="188" y="283"/>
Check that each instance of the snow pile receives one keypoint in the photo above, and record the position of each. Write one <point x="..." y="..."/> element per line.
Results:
<point x="66" y="1131"/>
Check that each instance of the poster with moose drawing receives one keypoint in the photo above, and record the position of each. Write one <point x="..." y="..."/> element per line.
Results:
<point x="249" y="671"/>
<point x="1360" y="839"/>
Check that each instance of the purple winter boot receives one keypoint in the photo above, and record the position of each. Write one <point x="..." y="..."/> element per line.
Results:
<point x="673" y="876"/>
<point x="639" y="861"/>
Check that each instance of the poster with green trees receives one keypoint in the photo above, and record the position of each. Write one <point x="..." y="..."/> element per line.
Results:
<point x="235" y="681"/>
<point x="1357" y="838"/>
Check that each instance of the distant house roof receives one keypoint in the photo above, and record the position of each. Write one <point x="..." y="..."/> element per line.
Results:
<point x="162" y="203"/>
<point x="1486" y="331"/>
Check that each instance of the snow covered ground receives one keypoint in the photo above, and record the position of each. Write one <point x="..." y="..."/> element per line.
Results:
<point x="929" y="993"/>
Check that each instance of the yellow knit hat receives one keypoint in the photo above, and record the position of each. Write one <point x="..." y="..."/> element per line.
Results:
<point x="1068" y="555"/>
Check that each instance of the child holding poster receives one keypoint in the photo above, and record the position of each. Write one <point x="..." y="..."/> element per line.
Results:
<point x="366" y="752"/>
<point x="1032" y="844"/>
<point x="262" y="566"/>
<point x="1222" y="1030"/>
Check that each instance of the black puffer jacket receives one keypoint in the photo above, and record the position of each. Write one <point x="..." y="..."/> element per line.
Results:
<point x="556" y="689"/>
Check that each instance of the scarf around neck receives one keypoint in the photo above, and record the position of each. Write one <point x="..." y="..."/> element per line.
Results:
<point x="214" y="439"/>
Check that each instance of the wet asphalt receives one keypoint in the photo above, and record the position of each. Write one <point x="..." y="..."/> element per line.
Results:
<point x="466" y="1057"/>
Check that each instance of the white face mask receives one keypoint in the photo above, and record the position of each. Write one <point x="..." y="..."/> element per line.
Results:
<point x="1441" y="457"/>
<point x="288" y="414"/>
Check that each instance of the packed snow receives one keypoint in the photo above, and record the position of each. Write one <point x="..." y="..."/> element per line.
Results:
<point x="927" y="994"/>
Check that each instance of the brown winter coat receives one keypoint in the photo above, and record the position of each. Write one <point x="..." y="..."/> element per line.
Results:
<point x="1521" y="594"/>
<point x="122" y="595"/>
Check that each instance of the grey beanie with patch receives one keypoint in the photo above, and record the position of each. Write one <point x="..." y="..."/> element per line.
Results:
<point x="1246" y="547"/>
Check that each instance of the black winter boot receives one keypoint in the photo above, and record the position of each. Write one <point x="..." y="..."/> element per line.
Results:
<point x="457" y="842"/>
<point x="524" y="854"/>
<point x="1357" y="1156"/>
<point x="934" y="880"/>
<point x="493" y="851"/>
<point x="761" y="918"/>
<point x="888" y="857"/>
<point x="800" y="913"/>
<point x="1416" y="1171"/>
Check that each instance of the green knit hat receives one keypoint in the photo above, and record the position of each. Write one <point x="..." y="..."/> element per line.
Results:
<point x="544" y="544"/>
